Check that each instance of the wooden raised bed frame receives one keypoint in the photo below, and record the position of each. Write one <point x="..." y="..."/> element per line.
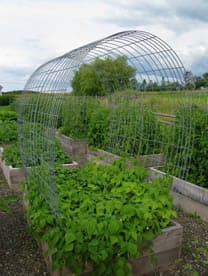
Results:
<point x="166" y="248"/>
<point x="189" y="197"/>
<point x="14" y="176"/>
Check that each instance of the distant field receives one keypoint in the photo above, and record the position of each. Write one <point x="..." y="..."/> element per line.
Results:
<point x="168" y="101"/>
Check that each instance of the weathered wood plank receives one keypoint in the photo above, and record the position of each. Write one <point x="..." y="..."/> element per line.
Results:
<point x="190" y="206"/>
<point x="183" y="187"/>
<point x="166" y="247"/>
<point x="77" y="148"/>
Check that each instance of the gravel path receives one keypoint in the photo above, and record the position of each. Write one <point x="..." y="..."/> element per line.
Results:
<point x="194" y="257"/>
<point x="20" y="255"/>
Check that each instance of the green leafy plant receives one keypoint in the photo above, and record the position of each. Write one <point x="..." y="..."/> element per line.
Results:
<point x="98" y="130"/>
<point x="133" y="129"/>
<point x="5" y="201"/>
<point x="76" y="112"/>
<point x="107" y="214"/>
<point x="188" y="150"/>
<point x="8" y="115"/>
<point x="8" y="131"/>
<point x="122" y="128"/>
<point x="11" y="155"/>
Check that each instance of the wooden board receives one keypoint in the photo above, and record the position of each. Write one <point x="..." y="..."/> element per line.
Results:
<point x="185" y="188"/>
<point x="166" y="247"/>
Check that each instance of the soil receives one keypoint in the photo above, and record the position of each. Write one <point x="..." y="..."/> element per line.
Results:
<point x="20" y="255"/>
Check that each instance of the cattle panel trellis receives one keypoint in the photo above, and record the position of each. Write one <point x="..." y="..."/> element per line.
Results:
<point x="137" y="122"/>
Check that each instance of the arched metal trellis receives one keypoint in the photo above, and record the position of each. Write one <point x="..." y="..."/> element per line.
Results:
<point x="155" y="62"/>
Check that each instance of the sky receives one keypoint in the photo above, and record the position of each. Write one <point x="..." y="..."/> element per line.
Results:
<point x="35" y="31"/>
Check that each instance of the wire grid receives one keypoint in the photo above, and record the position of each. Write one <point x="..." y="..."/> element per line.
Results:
<point x="156" y="65"/>
<point x="158" y="129"/>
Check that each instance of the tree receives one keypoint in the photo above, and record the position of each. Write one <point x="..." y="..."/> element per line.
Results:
<point x="202" y="81"/>
<point x="103" y="76"/>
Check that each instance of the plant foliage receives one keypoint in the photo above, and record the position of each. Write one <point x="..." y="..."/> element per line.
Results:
<point x="11" y="155"/>
<point x="8" y="131"/>
<point x="6" y="99"/>
<point x="123" y="127"/>
<point x="5" y="201"/>
<point x="191" y="129"/>
<point x="107" y="214"/>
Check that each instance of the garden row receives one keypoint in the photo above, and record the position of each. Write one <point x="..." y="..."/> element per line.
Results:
<point x="104" y="223"/>
<point x="166" y="247"/>
<point x="128" y="126"/>
<point x="108" y="215"/>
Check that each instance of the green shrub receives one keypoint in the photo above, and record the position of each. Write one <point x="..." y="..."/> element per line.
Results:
<point x="107" y="214"/>
<point x="6" y="99"/>
<point x="14" y="106"/>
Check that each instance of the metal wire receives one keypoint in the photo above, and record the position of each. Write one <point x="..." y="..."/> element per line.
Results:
<point x="154" y="61"/>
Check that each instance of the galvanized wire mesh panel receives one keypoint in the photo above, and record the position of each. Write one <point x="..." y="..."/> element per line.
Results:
<point x="134" y="124"/>
<point x="158" y="129"/>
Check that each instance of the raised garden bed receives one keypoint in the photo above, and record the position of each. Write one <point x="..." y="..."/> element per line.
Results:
<point x="14" y="176"/>
<point x="79" y="149"/>
<point x="189" y="197"/>
<point x="75" y="147"/>
<point x="166" y="247"/>
<point x="166" y="250"/>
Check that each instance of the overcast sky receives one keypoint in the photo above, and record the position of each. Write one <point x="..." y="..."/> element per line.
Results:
<point x="35" y="31"/>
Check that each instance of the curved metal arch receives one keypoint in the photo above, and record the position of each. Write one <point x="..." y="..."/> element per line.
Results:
<point x="154" y="56"/>
<point x="149" y="55"/>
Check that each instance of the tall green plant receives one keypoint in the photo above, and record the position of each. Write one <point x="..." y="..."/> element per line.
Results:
<point x="133" y="130"/>
<point x="187" y="153"/>
<point x="98" y="130"/>
<point x="76" y="112"/>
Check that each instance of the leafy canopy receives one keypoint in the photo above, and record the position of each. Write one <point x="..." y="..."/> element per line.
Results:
<point x="103" y="77"/>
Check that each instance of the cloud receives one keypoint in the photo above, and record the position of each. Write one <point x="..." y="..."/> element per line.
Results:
<point x="14" y="77"/>
<point x="33" y="32"/>
<point x="173" y="14"/>
<point x="200" y="64"/>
